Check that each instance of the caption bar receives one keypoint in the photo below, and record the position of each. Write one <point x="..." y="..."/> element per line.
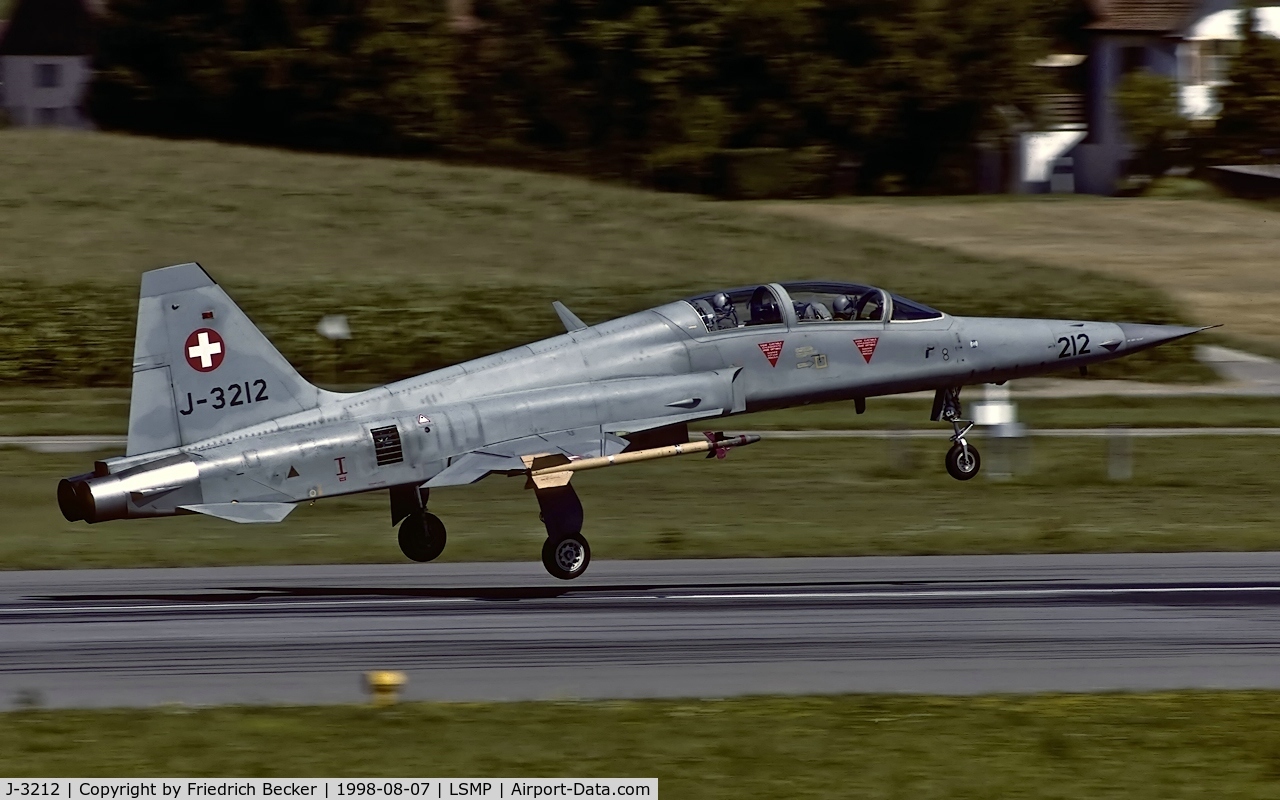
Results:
<point x="328" y="788"/>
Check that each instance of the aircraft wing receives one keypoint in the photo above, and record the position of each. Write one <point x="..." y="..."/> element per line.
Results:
<point x="505" y="456"/>
<point x="665" y="402"/>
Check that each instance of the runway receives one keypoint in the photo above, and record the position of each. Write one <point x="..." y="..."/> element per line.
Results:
<point x="702" y="628"/>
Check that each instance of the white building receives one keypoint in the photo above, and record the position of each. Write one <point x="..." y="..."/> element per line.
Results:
<point x="1188" y="41"/>
<point x="45" y="69"/>
<point x="1204" y="56"/>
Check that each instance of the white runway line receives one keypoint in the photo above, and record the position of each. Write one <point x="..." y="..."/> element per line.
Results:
<point x="945" y="594"/>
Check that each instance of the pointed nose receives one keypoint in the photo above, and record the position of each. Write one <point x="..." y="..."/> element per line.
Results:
<point x="1138" y="336"/>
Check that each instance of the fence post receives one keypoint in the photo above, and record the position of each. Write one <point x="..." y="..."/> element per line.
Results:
<point x="1119" y="453"/>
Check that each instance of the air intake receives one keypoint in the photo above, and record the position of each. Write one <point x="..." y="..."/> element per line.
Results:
<point x="386" y="445"/>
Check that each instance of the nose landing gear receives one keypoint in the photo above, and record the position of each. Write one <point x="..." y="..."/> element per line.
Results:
<point x="963" y="461"/>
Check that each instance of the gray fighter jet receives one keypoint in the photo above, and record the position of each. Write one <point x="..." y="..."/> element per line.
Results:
<point x="220" y="424"/>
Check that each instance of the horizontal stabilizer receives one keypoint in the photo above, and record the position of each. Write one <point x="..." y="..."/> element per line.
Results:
<point x="244" y="512"/>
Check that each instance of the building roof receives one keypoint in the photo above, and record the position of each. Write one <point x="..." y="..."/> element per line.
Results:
<point x="1146" y="16"/>
<point x="48" y="28"/>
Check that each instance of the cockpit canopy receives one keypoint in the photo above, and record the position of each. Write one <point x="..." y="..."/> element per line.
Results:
<point x="813" y="302"/>
<point x="739" y="308"/>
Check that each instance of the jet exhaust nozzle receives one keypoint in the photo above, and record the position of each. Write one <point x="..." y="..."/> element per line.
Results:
<point x="69" y="501"/>
<point x="148" y="490"/>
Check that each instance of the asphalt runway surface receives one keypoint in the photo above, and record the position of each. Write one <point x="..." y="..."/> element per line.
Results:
<point x="695" y="628"/>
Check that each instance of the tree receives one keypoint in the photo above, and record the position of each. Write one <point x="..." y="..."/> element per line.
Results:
<point x="680" y="92"/>
<point x="1148" y="105"/>
<point x="1249" y="124"/>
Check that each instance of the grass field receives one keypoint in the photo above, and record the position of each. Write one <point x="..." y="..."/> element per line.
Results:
<point x="432" y="263"/>
<point x="1218" y="259"/>
<point x="777" y="498"/>
<point x="1158" y="746"/>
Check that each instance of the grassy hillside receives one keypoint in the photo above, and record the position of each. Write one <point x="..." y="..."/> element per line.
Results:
<point x="1130" y="747"/>
<point x="433" y="263"/>
<point x="1218" y="259"/>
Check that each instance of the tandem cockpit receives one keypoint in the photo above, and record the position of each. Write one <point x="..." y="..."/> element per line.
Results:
<point x="808" y="302"/>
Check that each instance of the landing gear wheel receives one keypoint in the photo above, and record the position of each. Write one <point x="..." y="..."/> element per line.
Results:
<point x="566" y="557"/>
<point x="963" y="461"/>
<point x="422" y="536"/>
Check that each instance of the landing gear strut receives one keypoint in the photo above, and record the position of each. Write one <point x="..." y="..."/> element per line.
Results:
<point x="962" y="461"/>
<point x="566" y="552"/>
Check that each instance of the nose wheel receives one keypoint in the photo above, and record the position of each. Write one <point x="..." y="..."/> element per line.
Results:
<point x="963" y="461"/>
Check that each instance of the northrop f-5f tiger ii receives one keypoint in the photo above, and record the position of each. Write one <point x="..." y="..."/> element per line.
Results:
<point x="220" y="424"/>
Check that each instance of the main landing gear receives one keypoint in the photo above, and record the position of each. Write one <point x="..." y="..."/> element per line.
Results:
<point x="422" y="534"/>
<point x="963" y="461"/>
<point x="566" y="553"/>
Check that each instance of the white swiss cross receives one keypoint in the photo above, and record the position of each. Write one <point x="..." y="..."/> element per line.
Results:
<point x="204" y="350"/>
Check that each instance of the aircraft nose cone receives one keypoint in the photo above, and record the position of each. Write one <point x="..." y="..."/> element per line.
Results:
<point x="1138" y="336"/>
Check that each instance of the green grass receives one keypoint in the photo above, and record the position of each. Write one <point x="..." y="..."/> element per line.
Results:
<point x="106" y="411"/>
<point x="776" y="498"/>
<point x="1158" y="746"/>
<point x="432" y="263"/>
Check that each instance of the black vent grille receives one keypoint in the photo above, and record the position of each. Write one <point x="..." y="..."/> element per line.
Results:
<point x="386" y="445"/>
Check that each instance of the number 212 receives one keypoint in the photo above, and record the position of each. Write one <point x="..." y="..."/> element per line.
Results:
<point x="1077" y="345"/>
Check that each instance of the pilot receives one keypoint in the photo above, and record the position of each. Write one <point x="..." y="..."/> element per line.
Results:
<point x="844" y="308"/>
<point x="809" y="312"/>
<point x="724" y="311"/>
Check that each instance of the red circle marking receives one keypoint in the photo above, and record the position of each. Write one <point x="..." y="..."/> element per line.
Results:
<point x="204" y="350"/>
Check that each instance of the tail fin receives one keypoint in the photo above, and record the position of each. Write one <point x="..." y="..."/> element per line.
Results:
<point x="200" y="367"/>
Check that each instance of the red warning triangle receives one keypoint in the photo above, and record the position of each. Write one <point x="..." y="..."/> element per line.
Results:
<point x="867" y="347"/>
<point x="771" y="351"/>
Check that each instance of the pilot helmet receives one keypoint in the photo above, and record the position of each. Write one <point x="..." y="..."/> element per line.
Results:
<point x="721" y="303"/>
<point x="844" y="307"/>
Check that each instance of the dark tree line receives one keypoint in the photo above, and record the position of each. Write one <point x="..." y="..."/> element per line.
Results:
<point x="1248" y="130"/>
<point x="746" y="96"/>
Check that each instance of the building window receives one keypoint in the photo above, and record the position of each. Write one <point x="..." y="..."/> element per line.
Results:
<point x="48" y="116"/>
<point x="1215" y="60"/>
<point x="48" y="76"/>
<point x="1207" y="61"/>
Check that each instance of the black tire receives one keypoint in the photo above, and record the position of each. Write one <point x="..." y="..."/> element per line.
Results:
<point x="963" y="462"/>
<point x="566" y="557"/>
<point x="422" y="537"/>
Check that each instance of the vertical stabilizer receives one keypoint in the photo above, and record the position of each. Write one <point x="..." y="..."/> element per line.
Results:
<point x="200" y="367"/>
